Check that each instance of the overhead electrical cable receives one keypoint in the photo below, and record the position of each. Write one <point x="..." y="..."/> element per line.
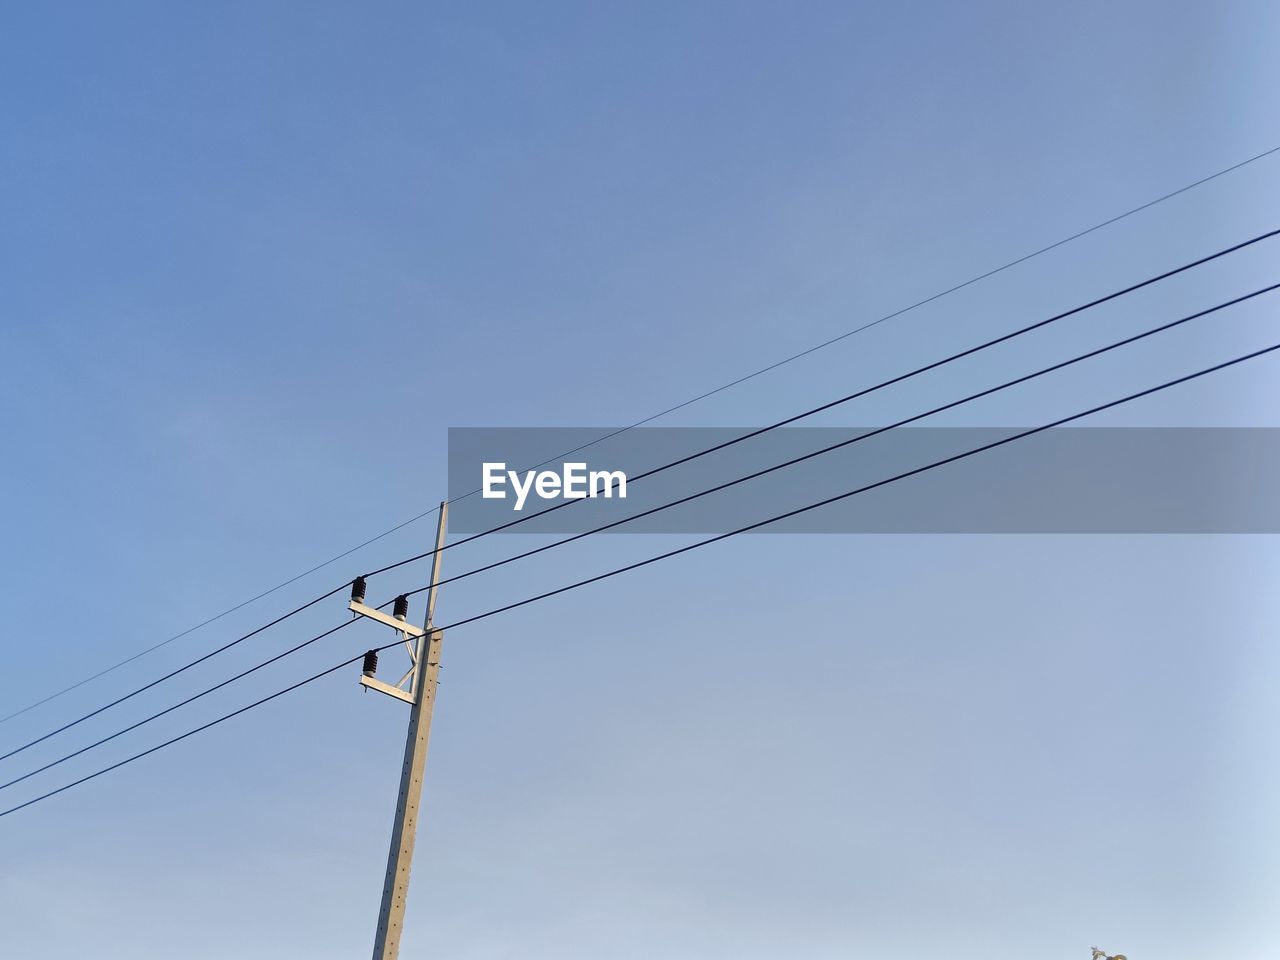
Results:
<point x="190" y="733"/>
<point x="167" y="710"/>
<point x="665" y="412"/>
<point x="172" y="673"/>
<point x="225" y="613"/>
<point x="1003" y="338"/>
<point x="1162" y="328"/>
<point x="932" y="298"/>
<point x="848" y="442"/>
<point x="865" y="391"/>
<point x="851" y="493"/>
<point x="673" y="553"/>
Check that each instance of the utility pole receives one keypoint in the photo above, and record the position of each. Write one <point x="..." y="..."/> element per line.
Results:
<point x="420" y="694"/>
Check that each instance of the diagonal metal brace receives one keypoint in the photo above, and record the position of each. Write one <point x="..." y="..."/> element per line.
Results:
<point x="412" y="637"/>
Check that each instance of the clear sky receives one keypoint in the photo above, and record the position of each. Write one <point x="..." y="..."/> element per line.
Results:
<point x="258" y="257"/>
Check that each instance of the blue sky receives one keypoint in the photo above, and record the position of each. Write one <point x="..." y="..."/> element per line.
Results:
<point x="258" y="258"/>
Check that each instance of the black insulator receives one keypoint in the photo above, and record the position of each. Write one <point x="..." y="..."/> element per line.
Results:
<point x="401" y="610"/>
<point x="371" y="663"/>
<point x="357" y="589"/>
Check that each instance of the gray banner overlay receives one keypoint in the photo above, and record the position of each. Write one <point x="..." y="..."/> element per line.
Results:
<point x="1066" y="480"/>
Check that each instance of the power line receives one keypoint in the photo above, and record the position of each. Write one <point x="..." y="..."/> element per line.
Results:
<point x="176" y="706"/>
<point x="171" y="674"/>
<point x="907" y="309"/>
<point x="688" y="458"/>
<point x="1162" y="328"/>
<point x="190" y="733"/>
<point x="665" y="412"/>
<point x="673" y="553"/>
<point x="852" y="440"/>
<point x="1003" y="338"/>
<point x="204" y="623"/>
<point x="859" y="490"/>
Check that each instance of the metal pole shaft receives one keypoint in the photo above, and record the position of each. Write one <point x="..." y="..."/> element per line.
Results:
<point x="395" y="889"/>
